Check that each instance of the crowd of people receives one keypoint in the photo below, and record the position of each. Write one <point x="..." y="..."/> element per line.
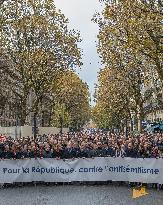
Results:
<point x="83" y="145"/>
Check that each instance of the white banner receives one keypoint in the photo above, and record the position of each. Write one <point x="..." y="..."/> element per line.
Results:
<point x="97" y="169"/>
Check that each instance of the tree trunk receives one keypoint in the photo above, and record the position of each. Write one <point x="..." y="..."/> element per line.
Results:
<point x="35" y="125"/>
<point x="23" y="118"/>
<point x="23" y="113"/>
<point x="126" y="128"/>
<point x="61" y="125"/>
<point x="140" y="117"/>
<point x="42" y="121"/>
<point x="132" y="125"/>
<point x="139" y="123"/>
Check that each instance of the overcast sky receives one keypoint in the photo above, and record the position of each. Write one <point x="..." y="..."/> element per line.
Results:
<point x="79" y="13"/>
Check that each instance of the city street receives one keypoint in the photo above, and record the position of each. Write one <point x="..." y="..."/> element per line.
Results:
<point x="76" y="195"/>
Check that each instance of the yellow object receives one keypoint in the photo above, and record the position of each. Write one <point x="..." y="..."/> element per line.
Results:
<point x="139" y="192"/>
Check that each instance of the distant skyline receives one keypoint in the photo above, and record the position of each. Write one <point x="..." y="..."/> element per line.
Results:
<point x="80" y="13"/>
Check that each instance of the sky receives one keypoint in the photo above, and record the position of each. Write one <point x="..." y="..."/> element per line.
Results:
<point x="79" y="13"/>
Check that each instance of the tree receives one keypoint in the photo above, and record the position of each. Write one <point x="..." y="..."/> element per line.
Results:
<point x="138" y="25"/>
<point x="8" y="81"/>
<point x="125" y="67"/>
<point x="112" y="99"/>
<point x="35" y="36"/>
<point x="73" y="93"/>
<point x="3" y="84"/>
<point x="61" y="117"/>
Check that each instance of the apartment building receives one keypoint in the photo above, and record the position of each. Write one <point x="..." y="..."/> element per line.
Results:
<point x="153" y="106"/>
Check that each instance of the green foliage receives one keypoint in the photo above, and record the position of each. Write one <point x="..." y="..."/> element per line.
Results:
<point x="130" y="46"/>
<point x="60" y="113"/>
<point x="73" y="92"/>
<point x="35" y="36"/>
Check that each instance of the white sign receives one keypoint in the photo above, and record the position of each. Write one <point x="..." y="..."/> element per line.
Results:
<point x="97" y="169"/>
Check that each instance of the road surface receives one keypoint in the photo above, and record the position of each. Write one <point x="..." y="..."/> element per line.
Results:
<point x="76" y="195"/>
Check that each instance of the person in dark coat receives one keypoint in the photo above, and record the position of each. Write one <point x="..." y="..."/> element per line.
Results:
<point x="84" y="152"/>
<point x="58" y="152"/>
<point x="130" y="151"/>
<point x="47" y="153"/>
<point x="71" y="151"/>
<point x="7" y="153"/>
<point x="1" y="149"/>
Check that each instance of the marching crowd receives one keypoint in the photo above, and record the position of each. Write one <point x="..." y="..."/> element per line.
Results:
<point x="83" y="145"/>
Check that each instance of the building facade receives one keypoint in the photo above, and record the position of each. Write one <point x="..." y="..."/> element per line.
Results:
<point x="153" y="105"/>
